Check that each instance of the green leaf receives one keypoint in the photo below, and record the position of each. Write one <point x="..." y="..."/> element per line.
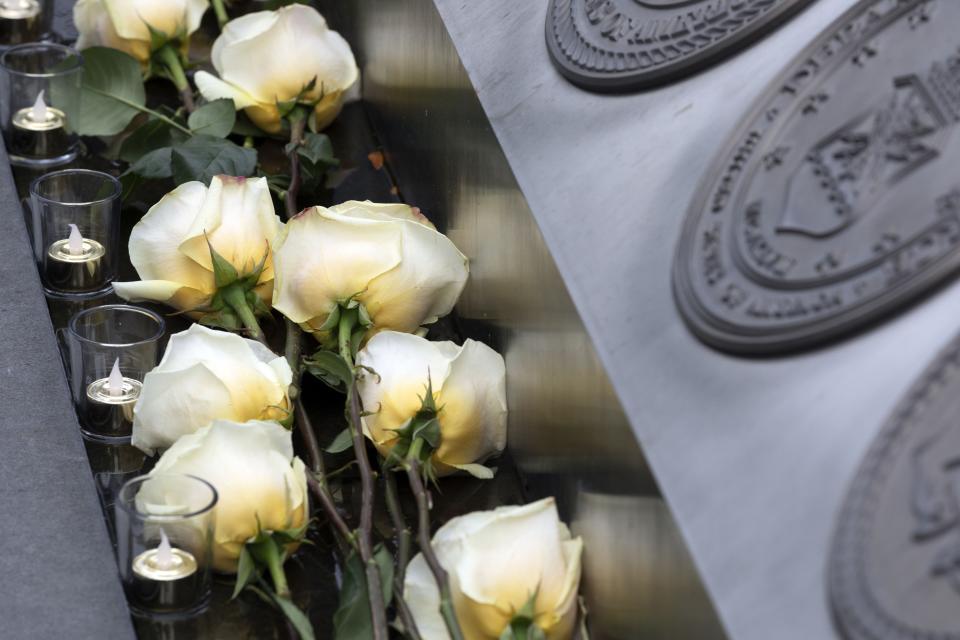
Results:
<point x="330" y="368"/>
<point x="152" y="135"/>
<point x="155" y="165"/>
<point x="297" y="618"/>
<point x="352" y="618"/>
<point x="385" y="564"/>
<point x="214" y="119"/>
<point x="245" y="572"/>
<point x="318" y="150"/>
<point x="203" y="157"/>
<point x="111" y="92"/>
<point x="342" y="442"/>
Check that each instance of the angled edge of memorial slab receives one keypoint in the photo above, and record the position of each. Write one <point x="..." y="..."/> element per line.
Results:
<point x="59" y="574"/>
<point x="604" y="56"/>
<point x="729" y="180"/>
<point x="896" y="544"/>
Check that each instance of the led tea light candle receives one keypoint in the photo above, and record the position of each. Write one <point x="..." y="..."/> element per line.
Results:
<point x="110" y="401"/>
<point x="20" y="21"/>
<point x="164" y="533"/>
<point x="110" y="350"/>
<point x="39" y="93"/>
<point x="74" y="264"/>
<point x="40" y="131"/>
<point x="164" y="576"/>
<point x="81" y="261"/>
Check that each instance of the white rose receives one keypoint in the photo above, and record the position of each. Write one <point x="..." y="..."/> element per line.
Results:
<point x="255" y="473"/>
<point x="208" y="375"/>
<point x="270" y="56"/>
<point x="169" y="249"/>
<point x="126" y="24"/>
<point x="497" y="561"/>
<point x="469" y="388"/>
<point x="388" y="257"/>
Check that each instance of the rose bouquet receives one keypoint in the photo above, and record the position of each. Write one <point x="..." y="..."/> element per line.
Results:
<point x="342" y="292"/>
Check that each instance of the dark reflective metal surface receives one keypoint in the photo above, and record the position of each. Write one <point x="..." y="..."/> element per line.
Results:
<point x="568" y="433"/>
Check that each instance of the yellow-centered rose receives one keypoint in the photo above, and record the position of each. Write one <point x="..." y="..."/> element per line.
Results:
<point x="270" y="57"/>
<point x="126" y="24"/>
<point x="256" y="475"/>
<point x="469" y="389"/>
<point x="208" y="375"/>
<point x="387" y="257"/>
<point x="499" y="562"/>
<point x="169" y="249"/>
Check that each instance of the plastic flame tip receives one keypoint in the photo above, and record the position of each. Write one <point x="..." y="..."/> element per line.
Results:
<point x="164" y="552"/>
<point x="76" y="241"/>
<point x="39" y="111"/>
<point x="115" y="381"/>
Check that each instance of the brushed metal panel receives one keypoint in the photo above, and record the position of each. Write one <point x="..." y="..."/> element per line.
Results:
<point x="753" y="455"/>
<point x="568" y="432"/>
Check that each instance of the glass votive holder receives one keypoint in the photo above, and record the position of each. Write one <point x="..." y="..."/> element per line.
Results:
<point x="76" y="230"/>
<point x="39" y="94"/>
<point x="111" y="349"/>
<point x="164" y="530"/>
<point x="24" y="20"/>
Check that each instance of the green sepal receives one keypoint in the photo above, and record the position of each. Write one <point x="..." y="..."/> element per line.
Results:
<point x="523" y="626"/>
<point x="224" y="273"/>
<point x="332" y="321"/>
<point x="247" y="572"/>
<point x="224" y="319"/>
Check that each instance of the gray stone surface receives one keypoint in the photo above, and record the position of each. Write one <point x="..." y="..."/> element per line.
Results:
<point x="754" y="456"/>
<point x="58" y="578"/>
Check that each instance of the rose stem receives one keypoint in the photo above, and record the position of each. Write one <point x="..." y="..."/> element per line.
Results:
<point x="403" y="554"/>
<point x="378" y="612"/>
<point x="423" y="539"/>
<point x="171" y="60"/>
<point x="298" y="124"/>
<point x="221" y="11"/>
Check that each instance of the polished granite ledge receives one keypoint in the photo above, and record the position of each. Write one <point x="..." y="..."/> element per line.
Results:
<point x="59" y="578"/>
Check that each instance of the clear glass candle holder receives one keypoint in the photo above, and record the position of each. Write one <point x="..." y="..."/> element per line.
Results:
<point x="24" y="20"/>
<point x="39" y="95"/>
<point x="164" y="530"/>
<point x="111" y="348"/>
<point x="76" y="230"/>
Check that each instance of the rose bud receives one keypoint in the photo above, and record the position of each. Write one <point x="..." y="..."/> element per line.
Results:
<point x="208" y="375"/>
<point x="178" y="247"/>
<point x="126" y="24"/>
<point x="510" y="567"/>
<point x="469" y="400"/>
<point x="273" y="59"/>
<point x="261" y="486"/>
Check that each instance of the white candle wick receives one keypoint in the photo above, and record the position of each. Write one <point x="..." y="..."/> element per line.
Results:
<point x="164" y="560"/>
<point x="76" y="241"/>
<point x="115" y="382"/>
<point x="39" y="111"/>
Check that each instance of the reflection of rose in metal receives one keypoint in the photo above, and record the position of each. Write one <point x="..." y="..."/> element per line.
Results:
<point x="845" y="174"/>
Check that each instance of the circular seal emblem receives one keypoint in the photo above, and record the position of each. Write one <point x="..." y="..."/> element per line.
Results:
<point x="838" y="199"/>
<point x="895" y="564"/>
<point x="612" y="45"/>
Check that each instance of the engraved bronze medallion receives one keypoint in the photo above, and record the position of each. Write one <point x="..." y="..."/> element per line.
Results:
<point x="838" y="199"/>
<point x="612" y="45"/>
<point x="895" y="563"/>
